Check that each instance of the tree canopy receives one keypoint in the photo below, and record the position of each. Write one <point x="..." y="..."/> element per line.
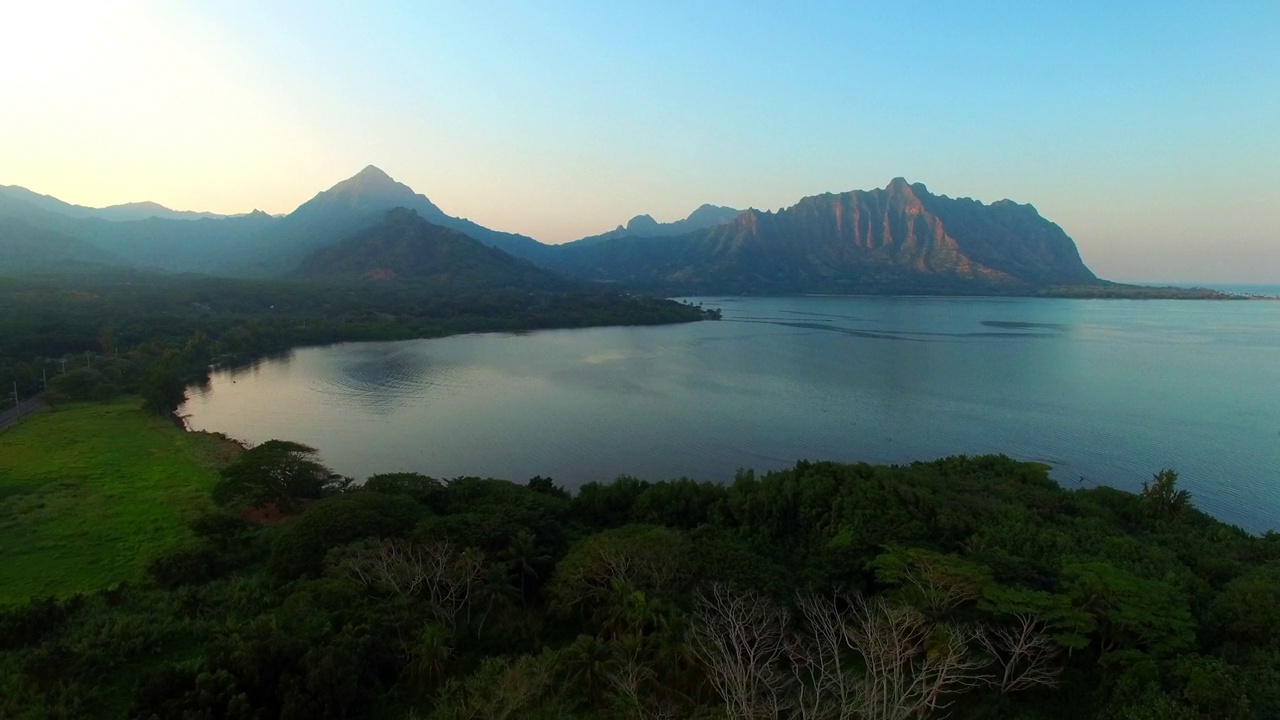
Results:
<point x="970" y="586"/>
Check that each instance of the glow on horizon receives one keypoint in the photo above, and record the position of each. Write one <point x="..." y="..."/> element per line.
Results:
<point x="1150" y="132"/>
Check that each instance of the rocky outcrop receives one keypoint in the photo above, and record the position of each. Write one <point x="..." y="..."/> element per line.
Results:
<point x="899" y="238"/>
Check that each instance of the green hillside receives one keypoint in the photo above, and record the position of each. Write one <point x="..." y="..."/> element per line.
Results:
<point x="89" y="494"/>
<point x="404" y="247"/>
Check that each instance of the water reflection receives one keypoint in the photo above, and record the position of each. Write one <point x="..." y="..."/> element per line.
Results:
<point x="382" y="378"/>
<point x="274" y="360"/>
<point x="1112" y="391"/>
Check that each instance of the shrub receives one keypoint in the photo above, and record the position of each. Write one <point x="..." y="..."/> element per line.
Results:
<point x="339" y="520"/>
<point x="424" y="490"/>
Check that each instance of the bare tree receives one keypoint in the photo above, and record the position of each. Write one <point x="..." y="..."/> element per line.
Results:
<point x="857" y="657"/>
<point x="912" y="665"/>
<point x="742" y="638"/>
<point x="440" y="573"/>
<point x="1023" y="653"/>
<point x="825" y="687"/>
<point x="629" y="682"/>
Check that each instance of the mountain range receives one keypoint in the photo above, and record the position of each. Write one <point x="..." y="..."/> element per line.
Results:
<point x="127" y="211"/>
<point x="896" y="239"/>
<point x="645" y="226"/>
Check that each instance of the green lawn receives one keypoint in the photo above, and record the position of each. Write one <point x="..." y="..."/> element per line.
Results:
<point x="90" y="493"/>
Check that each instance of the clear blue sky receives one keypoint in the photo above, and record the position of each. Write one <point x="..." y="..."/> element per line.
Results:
<point x="1149" y="130"/>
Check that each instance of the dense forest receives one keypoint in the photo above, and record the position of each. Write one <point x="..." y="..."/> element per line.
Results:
<point x="969" y="587"/>
<point x="125" y="331"/>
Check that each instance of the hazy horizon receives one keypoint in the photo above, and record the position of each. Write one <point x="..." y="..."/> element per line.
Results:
<point x="1150" y="133"/>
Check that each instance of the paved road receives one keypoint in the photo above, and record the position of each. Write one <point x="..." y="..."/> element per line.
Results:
<point x="12" y="415"/>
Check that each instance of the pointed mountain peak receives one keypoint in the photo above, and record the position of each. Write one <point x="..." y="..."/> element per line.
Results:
<point x="373" y="172"/>
<point x="371" y="190"/>
<point x="371" y="179"/>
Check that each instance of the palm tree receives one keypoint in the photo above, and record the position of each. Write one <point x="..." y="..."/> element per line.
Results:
<point x="625" y="609"/>
<point x="430" y="654"/>
<point x="494" y="592"/>
<point x="590" y="662"/>
<point x="523" y="558"/>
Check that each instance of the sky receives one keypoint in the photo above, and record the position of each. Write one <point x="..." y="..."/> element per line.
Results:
<point x="1150" y="131"/>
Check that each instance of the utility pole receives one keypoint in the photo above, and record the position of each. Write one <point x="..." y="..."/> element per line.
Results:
<point x="44" y="378"/>
<point x="64" y="364"/>
<point x="15" y="395"/>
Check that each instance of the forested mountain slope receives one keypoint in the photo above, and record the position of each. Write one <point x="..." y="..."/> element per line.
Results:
<point x="405" y="247"/>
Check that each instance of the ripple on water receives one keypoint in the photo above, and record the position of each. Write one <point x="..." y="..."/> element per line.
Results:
<point x="1111" y="392"/>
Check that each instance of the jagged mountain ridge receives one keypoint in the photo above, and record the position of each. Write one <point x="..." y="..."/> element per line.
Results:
<point x="856" y="241"/>
<point x="406" y="247"/>
<point x="705" y="216"/>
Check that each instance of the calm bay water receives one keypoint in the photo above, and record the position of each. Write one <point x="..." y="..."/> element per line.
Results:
<point x="1107" y="392"/>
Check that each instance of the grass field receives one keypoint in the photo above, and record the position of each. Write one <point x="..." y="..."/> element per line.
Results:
<point x="90" y="493"/>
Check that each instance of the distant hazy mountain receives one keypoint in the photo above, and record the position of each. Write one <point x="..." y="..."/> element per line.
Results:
<point x="118" y="213"/>
<point x="202" y="245"/>
<point x="897" y="239"/>
<point x="645" y="226"/>
<point x="26" y="248"/>
<point x="356" y="203"/>
<point x="147" y="209"/>
<point x="254" y="244"/>
<point x="405" y="247"/>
